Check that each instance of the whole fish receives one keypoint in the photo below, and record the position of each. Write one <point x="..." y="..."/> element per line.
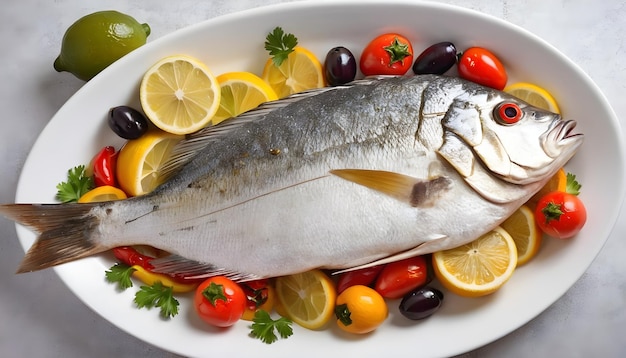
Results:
<point x="337" y="178"/>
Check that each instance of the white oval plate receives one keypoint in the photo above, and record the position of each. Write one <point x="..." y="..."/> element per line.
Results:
<point x="235" y="42"/>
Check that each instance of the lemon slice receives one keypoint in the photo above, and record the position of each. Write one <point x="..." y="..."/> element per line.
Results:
<point x="478" y="268"/>
<point x="308" y="298"/>
<point x="179" y="94"/>
<point x="140" y="160"/>
<point x="558" y="182"/>
<point x="533" y="95"/>
<point x="301" y="71"/>
<point x="525" y="233"/>
<point x="241" y="92"/>
<point x="102" y="193"/>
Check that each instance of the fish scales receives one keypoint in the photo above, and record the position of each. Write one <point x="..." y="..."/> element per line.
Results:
<point x="339" y="178"/>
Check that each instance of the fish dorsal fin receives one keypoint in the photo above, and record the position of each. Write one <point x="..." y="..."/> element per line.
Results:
<point x="434" y="240"/>
<point x="416" y="192"/>
<point x="175" y="264"/>
<point x="193" y="143"/>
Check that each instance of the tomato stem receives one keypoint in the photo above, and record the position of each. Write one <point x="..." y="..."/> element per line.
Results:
<point x="342" y="312"/>
<point x="214" y="292"/>
<point x="397" y="51"/>
<point x="551" y="212"/>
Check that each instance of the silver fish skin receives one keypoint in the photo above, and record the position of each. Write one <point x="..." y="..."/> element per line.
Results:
<point x="337" y="178"/>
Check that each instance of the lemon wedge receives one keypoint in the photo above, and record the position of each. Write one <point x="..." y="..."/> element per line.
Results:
<point x="102" y="193"/>
<point x="140" y="160"/>
<point x="179" y="94"/>
<point x="533" y="95"/>
<point x="301" y="71"/>
<point x="478" y="268"/>
<point x="307" y="298"/>
<point x="241" y="92"/>
<point x="525" y="233"/>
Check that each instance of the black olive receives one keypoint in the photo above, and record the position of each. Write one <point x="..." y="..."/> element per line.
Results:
<point x="127" y="122"/>
<point x="421" y="303"/>
<point x="339" y="66"/>
<point x="437" y="59"/>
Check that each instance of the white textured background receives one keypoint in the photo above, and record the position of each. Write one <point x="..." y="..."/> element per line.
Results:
<point x="39" y="317"/>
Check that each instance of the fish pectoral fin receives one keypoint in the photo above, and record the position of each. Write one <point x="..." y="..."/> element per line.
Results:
<point x="421" y="249"/>
<point x="191" y="269"/>
<point x="414" y="191"/>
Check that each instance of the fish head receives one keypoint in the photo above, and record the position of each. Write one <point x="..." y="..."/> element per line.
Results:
<point x="500" y="135"/>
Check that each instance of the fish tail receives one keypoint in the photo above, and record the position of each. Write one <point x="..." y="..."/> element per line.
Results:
<point x="65" y="232"/>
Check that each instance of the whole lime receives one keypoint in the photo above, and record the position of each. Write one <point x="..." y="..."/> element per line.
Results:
<point x="97" y="40"/>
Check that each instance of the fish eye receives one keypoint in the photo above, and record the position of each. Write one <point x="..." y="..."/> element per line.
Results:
<point x="508" y="113"/>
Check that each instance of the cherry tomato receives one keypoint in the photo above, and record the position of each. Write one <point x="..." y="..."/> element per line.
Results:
<point x="560" y="214"/>
<point x="387" y="54"/>
<point x="219" y="301"/>
<point x="481" y="66"/>
<point x="360" y="309"/>
<point x="364" y="277"/>
<point x="401" y="277"/>
<point x="103" y="167"/>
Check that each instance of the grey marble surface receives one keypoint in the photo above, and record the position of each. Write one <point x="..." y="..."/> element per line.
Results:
<point x="40" y="317"/>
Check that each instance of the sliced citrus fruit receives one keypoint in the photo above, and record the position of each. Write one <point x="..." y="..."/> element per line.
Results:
<point x="140" y="160"/>
<point x="179" y="94"/>
<point x="525" y="232"/>
<point x="102" y="193"/>
<point x="478" y="268"/>
<point x="301" y="71"/>
<point x="241" y="92"/>
<point x="534" y="95"/>
<point x="558" y="182"/>
<point x="308" y="298"/>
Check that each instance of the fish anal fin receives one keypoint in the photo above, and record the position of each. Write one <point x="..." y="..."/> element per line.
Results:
<point x="421" y="249"/>
<point x="416" y="192"/>
<point x="191" y="269"/>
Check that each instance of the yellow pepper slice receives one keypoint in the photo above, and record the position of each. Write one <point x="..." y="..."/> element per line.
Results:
<point x="149" y="278"/>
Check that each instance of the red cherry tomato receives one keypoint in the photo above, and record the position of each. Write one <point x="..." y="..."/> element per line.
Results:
<point x="103" y="167"/>
<point x="401" y="277"/>
<point x="256" y="292"/>
<point x="219" y="301"/>
<point x="560" y="214"/>
<point x="364" y="277"/>
<point x="387" y="54"/>
<point x="481" y="66"/>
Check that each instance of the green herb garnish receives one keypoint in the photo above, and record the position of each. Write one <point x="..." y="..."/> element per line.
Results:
<point x="77" y="185"/>
<point x="120" y="274"/>
<point x="263" y="327"/>
<point x="160" y="296"/>
<point x="280" y="45"/>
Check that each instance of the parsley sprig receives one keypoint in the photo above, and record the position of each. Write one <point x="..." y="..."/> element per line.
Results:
<point x="77" y="184"/>
<point x="572" y="186"/>
<point x="160" y="296"/>
<point x="280" y="45"/>
<point x="156" y="295"/>
<point x="120" y="274"/>
<point x="263" y="327"/>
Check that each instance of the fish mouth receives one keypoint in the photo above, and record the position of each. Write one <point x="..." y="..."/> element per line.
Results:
<point x="561" y="137"/>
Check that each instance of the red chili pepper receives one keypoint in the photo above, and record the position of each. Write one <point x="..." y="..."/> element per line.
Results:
<point x="131" y="257"/>
<point x="103" y="166"/>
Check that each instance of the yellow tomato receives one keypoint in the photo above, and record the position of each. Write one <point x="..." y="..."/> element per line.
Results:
<point x="360" y="309"/>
